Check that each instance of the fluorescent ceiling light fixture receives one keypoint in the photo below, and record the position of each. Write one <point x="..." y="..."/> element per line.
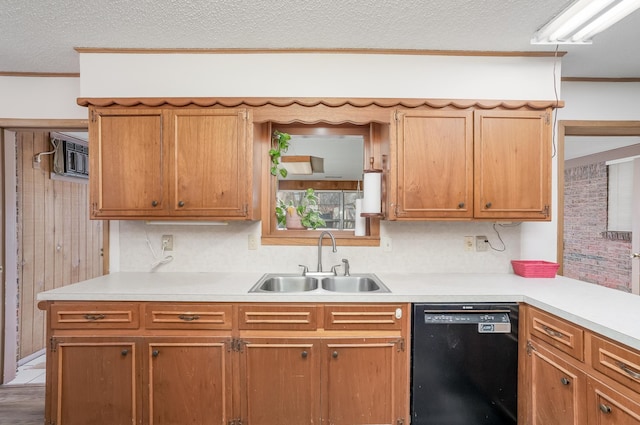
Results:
<point x="582" y="20"/>
<point x="303" y="164"/>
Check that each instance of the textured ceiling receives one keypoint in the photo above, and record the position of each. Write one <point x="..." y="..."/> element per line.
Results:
<point x="39" y="35"/>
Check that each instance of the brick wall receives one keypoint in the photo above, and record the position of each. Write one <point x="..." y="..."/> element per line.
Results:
<point x="588" y="254"/>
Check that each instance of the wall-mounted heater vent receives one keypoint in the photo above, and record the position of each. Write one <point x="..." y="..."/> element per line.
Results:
<point x="71" y="156"/>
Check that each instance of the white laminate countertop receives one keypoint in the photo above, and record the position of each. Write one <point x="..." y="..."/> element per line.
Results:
<point x="609" y="312"/>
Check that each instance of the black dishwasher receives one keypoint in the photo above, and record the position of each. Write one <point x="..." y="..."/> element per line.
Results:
<point x="464" y="364"/>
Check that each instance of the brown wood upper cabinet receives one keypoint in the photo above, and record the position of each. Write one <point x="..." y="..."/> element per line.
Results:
<point x="153" y="163"/>
<point x="464" y="163"/>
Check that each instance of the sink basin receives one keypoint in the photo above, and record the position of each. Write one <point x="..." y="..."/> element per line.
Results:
<point x="285" y="283"/>
<point x="354" y="283"/>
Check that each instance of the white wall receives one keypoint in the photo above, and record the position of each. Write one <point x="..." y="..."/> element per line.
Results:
<point x="40" y="98"/>
<point x="416" y="247"/>
<point x="426" y="247"/>
<point x="614" y="101"/>
<point x="316" y="75"/>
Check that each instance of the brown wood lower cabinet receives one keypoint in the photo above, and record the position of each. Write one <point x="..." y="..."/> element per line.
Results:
<point x="280" y="381"/>
<point x="557" y="389"/>
<point x="228" y="364"/>
<point x="571" y="380"/>
<point x="188" y="381"/>
<point x="360" y="381"/>
<point x="93" y="381"/>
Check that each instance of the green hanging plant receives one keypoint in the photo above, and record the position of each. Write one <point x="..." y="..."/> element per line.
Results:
<point x="279" y="145"/>
<point x="307" y="209"/>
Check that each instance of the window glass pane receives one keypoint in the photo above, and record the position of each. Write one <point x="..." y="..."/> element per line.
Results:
<point x="337" y="208"/>
<point x="620" y="190"/>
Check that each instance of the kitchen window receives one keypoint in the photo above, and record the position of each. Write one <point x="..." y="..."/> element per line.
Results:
<point x="337" y="207"/>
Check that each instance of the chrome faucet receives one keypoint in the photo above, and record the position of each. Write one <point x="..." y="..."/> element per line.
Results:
<point x="333" y="243"/>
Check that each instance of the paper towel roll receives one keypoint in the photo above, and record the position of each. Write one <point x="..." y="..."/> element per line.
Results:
<point x="361" y="222"/>
<point x="372" y="201"/>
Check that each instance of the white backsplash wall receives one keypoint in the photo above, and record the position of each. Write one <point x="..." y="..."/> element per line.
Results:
<point x="426" y="247"/>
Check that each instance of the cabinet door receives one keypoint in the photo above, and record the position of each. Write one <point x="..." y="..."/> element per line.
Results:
<point x="434" y="164"/>
<point x="512" y="163"/>
<point x="94" y="382"/>
<point x="556" y="389"/>
<point x="210" y="163"/>
<point x="280" y="382"/>
<point x="126" y="164"/>
<point x="608" y="407"/>
<point x="363" y="381"/>
<point x="189" y="381"/>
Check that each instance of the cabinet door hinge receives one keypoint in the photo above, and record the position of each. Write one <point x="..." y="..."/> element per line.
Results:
<point x="545" y="211"/>
<point x="400" y="344"/>
<point x="235" y="422"/>
<point x="547" y="118"/>
<point x="53" y="344"/>
<point x="400" y="421"/>
<point x="530" y="348"/>
<point x="235" y="344"/>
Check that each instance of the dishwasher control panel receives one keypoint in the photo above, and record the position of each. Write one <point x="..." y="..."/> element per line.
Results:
<point x="487" y="322"/>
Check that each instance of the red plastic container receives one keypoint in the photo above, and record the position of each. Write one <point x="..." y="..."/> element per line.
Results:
<point x="535" y="268"/>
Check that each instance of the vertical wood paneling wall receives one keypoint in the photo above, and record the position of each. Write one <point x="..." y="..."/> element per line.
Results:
<point x="57" y="243"/>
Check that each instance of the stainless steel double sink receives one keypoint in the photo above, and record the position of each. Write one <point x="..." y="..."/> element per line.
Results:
<point x="278" y="282"/>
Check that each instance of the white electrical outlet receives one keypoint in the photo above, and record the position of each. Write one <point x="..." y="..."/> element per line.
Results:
<point x="481" y="243"/>
<point x="167" y="242"/>
<point x="253" y="242"/>
<point x="468" y="243"/>
<point x="386" y="243"/>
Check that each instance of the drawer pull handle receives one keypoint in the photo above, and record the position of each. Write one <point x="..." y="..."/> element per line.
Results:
<point x="155" y="353"/>
<point x="626" y="369"/>
<point x="564" y="381"/>
<point x="188" y="317"/>
<point x="552" y="332"/>
<point x="94" y="317"/>
<point x="604" y="408"/>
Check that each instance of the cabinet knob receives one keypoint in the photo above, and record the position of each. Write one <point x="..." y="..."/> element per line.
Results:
<point x="565" y="381"/>
<point x="461" y="205"/>
<point x="604" y="408"/>
<point x="334" y="354"/>
<point x="124" y="352"/>
<point x="304" y="354"/>
<point x="488" y="205"/>
<point x="155" y="353"/>
<point x="154" y="203"/>
<point x="181" y="204"/>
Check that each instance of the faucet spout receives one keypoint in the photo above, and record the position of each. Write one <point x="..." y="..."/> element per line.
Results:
<point x="333" y="243"/>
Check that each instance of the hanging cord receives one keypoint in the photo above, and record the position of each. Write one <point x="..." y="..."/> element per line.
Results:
<point x="495" y="229"/>
<point x="159" y="261"/>
<point x="55" y="143"/>
<point x="555" y="112"/>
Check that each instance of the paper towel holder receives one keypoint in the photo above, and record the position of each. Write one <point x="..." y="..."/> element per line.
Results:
<point x="378" y="191"/>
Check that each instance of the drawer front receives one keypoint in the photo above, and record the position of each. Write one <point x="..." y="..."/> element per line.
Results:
<point x="95" y="316"/>
<point x="558" y="333"/>
<point x="364" y="317"/>
<point x="274" y="317"/>
<point x="188" y="316"/>
<point x="616" y="361"/>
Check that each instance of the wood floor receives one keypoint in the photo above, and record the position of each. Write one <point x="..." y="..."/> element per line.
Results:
<point x="21" y="404"/>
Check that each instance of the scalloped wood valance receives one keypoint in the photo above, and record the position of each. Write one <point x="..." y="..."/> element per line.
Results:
<point x="313" y="102"/>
